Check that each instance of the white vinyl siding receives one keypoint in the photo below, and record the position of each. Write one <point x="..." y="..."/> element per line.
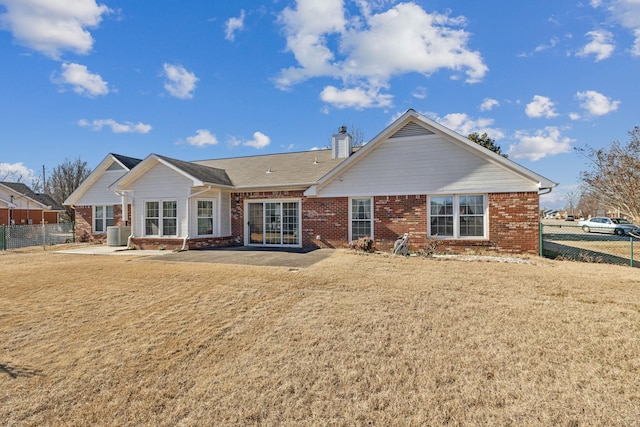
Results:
<point x="424" y="165"/>
<point x="102" y="218"/>
<point x="361" y="218"/>
<point x="100" y="193"/>
<point x="161" y="183"/>
<point x="458" y="216"/>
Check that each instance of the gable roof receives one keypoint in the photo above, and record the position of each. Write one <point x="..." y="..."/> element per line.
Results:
<point x="127" y="163"/>
<point x="299" y="169"/>
<point x="412" y="123"/>
<point x="206" y="174"/>
<point x="45" y="201"/>
<point x="199" y="174"/>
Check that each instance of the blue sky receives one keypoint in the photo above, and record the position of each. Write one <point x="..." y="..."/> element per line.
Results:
<point x="208" y="79"/>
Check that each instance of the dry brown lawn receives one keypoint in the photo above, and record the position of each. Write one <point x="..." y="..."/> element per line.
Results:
<point x="352" y="340"/>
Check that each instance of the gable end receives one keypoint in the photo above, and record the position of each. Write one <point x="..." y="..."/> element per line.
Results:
<point x="411" y="129"/>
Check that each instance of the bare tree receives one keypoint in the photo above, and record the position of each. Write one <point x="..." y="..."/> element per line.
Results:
<point x="615" y="174"/>
<point x="65" y="179"/>
<point x="571" y="197"/>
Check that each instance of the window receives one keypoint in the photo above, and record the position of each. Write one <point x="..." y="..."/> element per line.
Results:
<point x="205" y="217"/>
<point x="361" y="218"/>
<point x="102" y="218"/>
<point x="457" y="216"/>
<point x="161" y="222"/>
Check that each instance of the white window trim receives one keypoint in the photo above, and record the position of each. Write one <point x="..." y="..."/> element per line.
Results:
<point x="104" y="218"/>
<point x="160" y="217"/>
<point x="456" y="217"/>
<point x="351" y="216"/>
<point x="214" y="213"/>
<point x="247" y="240"/>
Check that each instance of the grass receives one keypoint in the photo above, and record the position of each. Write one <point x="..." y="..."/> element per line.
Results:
<point x="352" y="340"/>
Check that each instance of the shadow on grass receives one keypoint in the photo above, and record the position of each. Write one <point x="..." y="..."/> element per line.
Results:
<point x="557" y="250"/>
<point x="16" y="372"/>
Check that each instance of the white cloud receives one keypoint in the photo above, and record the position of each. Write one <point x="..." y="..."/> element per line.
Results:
<point x="126" y="127"/>
<point x="82" y="81"/>
<point x="233" y="25"/>
<point x="464" y="125"/>
<point x="53" y="26"/>
<point x="260" y="140"/>
<point x="552" y="43"/>
<point x="488" y="104"/>
<point x="541" y="106"/>
<point x="420" y="92"/>
<point x="627" y="14"/>
<point x="202" y="138"/>
<point x="601" y="45"/>
<point x="179" y="82"/>
<point x="596" y="103"/>
<point x="371" y="48"/>
<point x="575" y="116"/>
<point x="356" y="98"/>
<point x="544" y="142"/>
<point x="17" y="172"/>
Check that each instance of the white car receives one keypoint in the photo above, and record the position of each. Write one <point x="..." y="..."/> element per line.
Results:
<point x="618" y="226"/>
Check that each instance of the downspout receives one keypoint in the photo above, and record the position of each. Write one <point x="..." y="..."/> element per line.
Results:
<point x="186" y="238"/>
<point x="541" y="194"/>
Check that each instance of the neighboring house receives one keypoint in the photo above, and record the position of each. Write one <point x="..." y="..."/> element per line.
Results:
<point x="96" y="204"/>
<point x="19" y="205"/>
<point x="415" y="177"/>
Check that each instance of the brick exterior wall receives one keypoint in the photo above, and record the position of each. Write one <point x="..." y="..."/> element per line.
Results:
<point x="513" y="224"/>
<point x="84" y="224"/>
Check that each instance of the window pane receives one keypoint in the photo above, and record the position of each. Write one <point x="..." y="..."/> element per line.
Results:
<point x="151" y="227"/>
<point x="472" y="216"/>
<point x="471" y="226"/>
<point x="109" y="210"/>
<point x="169" y="227"/>
<point x="169" y="209"/>
<point x="360" y="208"/>
<point x="442" y="226"/>
<point x="360" y="229"/>
<point x="290" y="233"/>
<point x="441" y="210"/>
<point x="152" y="209"/>
<point x="205" y="226"/>
<point x="98" y="223"/>
<point x="152" y="220"/>
<point x="205" y="208"/>
<point x="442" y="205"/>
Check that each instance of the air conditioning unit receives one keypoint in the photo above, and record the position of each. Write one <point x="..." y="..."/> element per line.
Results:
<point x="118" y="235"/>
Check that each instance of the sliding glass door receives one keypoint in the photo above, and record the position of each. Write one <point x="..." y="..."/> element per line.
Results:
<point x="274" y="223"/>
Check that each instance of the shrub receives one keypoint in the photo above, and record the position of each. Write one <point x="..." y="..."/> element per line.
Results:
<point x="363" y="244"/>
<point x="430" y="248"/>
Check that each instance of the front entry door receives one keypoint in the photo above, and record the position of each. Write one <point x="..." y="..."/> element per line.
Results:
<point x="274" y="223"/>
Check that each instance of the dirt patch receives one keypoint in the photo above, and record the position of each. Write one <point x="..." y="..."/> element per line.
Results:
<point x="352" y="339"/>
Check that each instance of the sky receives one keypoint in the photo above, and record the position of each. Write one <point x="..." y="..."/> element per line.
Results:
<point x="200" y="80"/>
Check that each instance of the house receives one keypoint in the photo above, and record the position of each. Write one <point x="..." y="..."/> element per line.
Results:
<point x="96" y="204"/>
<point x="416" y="177"/>
<point x="19" y="205"/>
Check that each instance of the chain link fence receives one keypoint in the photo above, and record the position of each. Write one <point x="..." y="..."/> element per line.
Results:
<point x="21" y="236"/>
<point x="567" y="240"/>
